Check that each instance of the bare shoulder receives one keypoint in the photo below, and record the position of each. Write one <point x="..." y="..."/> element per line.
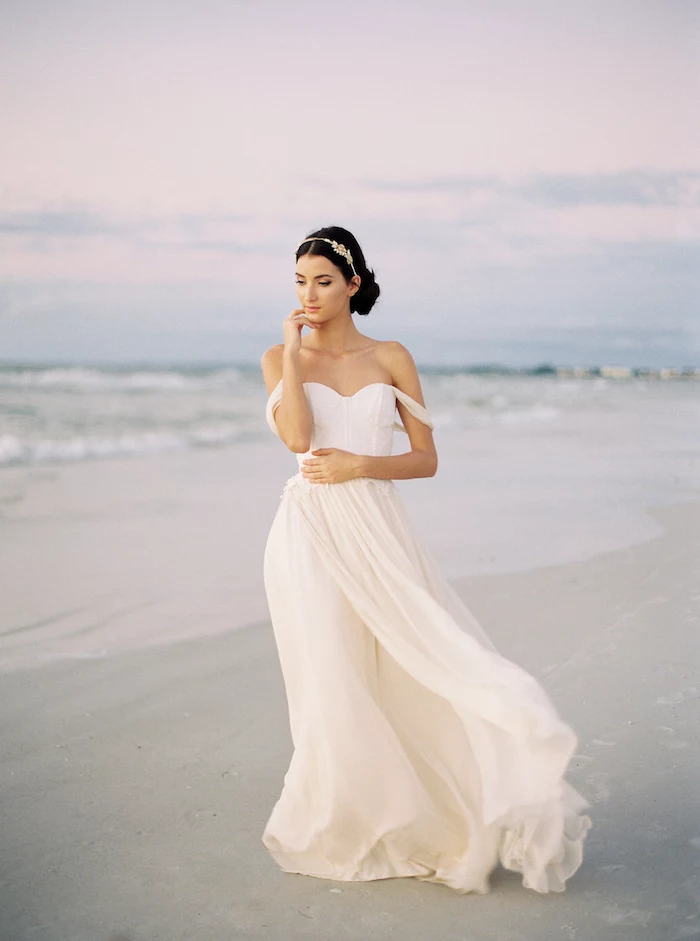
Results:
<point x="400" y="363"/>
<point x="271" y="365"/>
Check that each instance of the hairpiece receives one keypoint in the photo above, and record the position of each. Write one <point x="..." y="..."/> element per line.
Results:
<point x="340" y="249"/>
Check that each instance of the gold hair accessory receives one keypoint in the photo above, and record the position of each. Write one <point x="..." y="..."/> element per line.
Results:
<point x="340" y="249"/>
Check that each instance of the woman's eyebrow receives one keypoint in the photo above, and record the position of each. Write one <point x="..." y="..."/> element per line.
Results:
<point x="317" y="276"/>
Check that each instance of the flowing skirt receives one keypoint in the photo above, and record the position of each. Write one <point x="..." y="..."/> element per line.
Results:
<point x="418" y="749"/>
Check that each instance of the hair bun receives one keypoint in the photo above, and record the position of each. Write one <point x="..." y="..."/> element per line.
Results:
<point x="364" y="300"/>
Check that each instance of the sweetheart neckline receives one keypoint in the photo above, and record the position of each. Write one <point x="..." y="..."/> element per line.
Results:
<point x="369" y="385"/>
<point x="401" y="397"/>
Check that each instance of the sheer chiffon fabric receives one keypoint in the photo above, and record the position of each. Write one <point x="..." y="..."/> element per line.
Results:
<point x="419" y="750"/>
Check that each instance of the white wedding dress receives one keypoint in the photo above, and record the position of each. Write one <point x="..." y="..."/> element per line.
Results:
<point x="418" y="749"/>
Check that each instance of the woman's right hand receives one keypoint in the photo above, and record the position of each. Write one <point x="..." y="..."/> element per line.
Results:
<point x="293" y="326"/>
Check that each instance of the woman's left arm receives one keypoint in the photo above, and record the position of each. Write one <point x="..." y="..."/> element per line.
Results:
<point x="333" y="465"/>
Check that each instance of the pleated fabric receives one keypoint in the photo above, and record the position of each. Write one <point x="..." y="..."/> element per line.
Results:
<point x="419" y="750"/>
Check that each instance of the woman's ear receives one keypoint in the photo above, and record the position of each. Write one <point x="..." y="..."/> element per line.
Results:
<point x="355" y="284"/>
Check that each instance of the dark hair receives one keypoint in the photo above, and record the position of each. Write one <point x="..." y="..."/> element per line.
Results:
<point x="363" y="300"/>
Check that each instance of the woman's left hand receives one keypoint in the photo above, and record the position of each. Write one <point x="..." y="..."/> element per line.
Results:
<point x="330" y="466"/>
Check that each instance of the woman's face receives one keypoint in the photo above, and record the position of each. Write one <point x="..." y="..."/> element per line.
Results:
<point x="322" y="290"/>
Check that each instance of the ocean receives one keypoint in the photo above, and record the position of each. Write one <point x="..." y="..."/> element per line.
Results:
<point x="73" y="413"/>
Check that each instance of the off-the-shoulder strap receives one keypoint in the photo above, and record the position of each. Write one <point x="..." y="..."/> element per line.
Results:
<point x="415" y="408"/>
<point x="273" y="401"/>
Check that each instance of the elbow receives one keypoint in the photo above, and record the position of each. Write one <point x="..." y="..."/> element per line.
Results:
<point x="297" y="439"/>
<point x="429" y="464"/>
<point x="298" y="445"/>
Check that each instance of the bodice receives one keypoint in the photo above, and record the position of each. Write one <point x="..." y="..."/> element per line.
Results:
<point x="362" y="423"/>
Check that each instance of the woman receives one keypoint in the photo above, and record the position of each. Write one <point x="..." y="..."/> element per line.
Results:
<point x="418" y="749"/>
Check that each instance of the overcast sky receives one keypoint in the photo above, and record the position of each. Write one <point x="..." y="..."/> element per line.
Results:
<point x="523" y="177"/>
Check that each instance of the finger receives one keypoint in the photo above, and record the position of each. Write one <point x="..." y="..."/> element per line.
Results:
<point x="323" y="451"/>
<point x="301" y="322"/>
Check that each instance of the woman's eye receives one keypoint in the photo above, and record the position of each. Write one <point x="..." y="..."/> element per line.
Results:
<point x="324" y="283"/>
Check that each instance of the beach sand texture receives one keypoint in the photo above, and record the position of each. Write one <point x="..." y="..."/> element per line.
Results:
<point x="144" y="726"/>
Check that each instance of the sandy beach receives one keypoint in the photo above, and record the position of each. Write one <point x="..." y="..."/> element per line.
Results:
<point x="144" y="724"/>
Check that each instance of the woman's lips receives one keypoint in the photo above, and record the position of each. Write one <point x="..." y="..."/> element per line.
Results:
<point x="313" y="309"/>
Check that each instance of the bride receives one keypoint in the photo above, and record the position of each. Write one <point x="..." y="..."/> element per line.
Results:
<point x="419" y="750"/>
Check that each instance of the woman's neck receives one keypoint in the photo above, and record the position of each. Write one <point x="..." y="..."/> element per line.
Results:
<point x="335" y="337"/>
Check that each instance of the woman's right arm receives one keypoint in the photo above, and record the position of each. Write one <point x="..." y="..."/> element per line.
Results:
<point x="293" y="415"/>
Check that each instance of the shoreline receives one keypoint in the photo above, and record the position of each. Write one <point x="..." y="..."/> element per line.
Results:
<point x="127" y="554"/>
<point x="473" y="588"/>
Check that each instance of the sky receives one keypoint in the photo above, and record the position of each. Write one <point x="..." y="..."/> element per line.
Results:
<point x="524" y="178"/>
